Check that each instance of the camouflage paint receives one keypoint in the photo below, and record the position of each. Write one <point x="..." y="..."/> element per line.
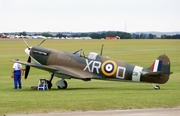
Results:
<point x="104" y="68"/>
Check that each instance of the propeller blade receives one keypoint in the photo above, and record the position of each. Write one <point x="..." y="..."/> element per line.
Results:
<point x="27" y="69"/>
<point x="41" y="42"/>
<point x="26" y="43"/>
<point x="29" y="60"/>
<point x="26" y="72"/>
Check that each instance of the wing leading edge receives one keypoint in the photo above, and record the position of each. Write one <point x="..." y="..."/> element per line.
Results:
<point x="70" y="72"/>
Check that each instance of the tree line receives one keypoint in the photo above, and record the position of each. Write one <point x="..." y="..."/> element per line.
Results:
<point x="122" y="35"/>
<point x="177" y="36"/>
<point x="103" y="35"/>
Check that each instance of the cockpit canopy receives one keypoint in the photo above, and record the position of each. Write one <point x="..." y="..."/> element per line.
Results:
<point x="92" y="55"/>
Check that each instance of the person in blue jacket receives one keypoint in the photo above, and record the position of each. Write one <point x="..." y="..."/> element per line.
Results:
<point x="17" y="68"/>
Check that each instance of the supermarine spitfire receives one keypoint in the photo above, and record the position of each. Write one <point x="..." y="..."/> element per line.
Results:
<point x="66" y="65"/>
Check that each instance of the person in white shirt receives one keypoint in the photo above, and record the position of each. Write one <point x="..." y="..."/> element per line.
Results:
<point x="17" y="75"/>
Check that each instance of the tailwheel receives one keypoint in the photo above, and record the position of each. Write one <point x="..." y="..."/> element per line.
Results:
<point x="61" y="84"/>
<point x="156" y="87"/>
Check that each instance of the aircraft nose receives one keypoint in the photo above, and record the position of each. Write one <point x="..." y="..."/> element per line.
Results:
<point x="27" y="50"/>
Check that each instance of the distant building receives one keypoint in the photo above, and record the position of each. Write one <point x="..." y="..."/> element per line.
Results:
<point x="112" y="38"/>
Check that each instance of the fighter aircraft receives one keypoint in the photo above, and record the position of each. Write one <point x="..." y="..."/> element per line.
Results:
<point x="66" y="65"/>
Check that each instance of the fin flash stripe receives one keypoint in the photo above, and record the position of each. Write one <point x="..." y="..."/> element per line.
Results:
<point x="157" y="65"/>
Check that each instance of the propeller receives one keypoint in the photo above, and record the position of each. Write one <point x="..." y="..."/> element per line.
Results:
<point x="27" y="68"/>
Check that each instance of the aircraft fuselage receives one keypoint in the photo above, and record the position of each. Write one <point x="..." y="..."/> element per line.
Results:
<point x="95" y="66"/>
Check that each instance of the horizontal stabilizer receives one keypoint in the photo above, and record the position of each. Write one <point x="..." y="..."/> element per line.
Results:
<point x="151" y="73"/>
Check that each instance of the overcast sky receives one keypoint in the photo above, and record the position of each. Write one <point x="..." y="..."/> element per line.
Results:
<point x="89" y="15"/>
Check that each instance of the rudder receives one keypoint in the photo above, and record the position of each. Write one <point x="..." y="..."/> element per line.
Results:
<point x="162" y="64"/>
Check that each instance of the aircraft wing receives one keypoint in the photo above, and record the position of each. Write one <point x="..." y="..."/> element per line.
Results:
<point x="71" y="72"/>
<point x="43" y="67"/>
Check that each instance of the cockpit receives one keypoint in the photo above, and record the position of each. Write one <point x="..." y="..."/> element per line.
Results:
<point x="91" y="55"/>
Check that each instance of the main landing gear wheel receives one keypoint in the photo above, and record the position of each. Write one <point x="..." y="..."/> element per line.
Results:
<point x="61" y="84"/>
<point x="156" y="87"/>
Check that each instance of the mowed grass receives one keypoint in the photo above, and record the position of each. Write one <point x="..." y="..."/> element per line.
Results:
<point x="94" y="95"/>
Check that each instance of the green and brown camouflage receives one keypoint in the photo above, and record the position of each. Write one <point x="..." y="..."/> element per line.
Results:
<point x="76" y="65"/>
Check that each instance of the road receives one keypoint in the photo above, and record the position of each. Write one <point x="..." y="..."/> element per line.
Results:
<point x="129" y="112"/>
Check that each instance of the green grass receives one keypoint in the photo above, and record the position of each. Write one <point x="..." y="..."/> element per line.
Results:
<point x="94" y="95"/>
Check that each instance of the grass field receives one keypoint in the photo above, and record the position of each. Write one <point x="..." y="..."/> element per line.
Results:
<point x="94" y="95"/>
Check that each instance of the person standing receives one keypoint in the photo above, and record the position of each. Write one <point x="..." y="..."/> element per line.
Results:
<point x="17" y="68"/>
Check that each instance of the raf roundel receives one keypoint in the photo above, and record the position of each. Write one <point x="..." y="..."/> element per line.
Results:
<point x="109" y="67"/>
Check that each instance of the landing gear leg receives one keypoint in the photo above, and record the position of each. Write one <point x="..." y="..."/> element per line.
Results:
<point x="156" y="87"/>
<point x="49" y="81"/>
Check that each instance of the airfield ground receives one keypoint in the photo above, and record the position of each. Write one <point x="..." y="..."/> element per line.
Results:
<point x="89" y="96"/>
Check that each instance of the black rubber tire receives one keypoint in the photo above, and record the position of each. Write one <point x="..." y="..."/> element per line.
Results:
<point x="157" y="87"/>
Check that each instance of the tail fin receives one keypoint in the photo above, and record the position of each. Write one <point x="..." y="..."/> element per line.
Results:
<point x="161" y="66"/>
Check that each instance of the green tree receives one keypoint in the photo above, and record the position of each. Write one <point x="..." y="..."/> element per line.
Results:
<point x="47" y="35"/>
<point x="23" y="33"/>
<point x="95" y="35"/>
<point x="151" y="36"/>
<point x="60" y="35"/>
<point x="84" y="35"/>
